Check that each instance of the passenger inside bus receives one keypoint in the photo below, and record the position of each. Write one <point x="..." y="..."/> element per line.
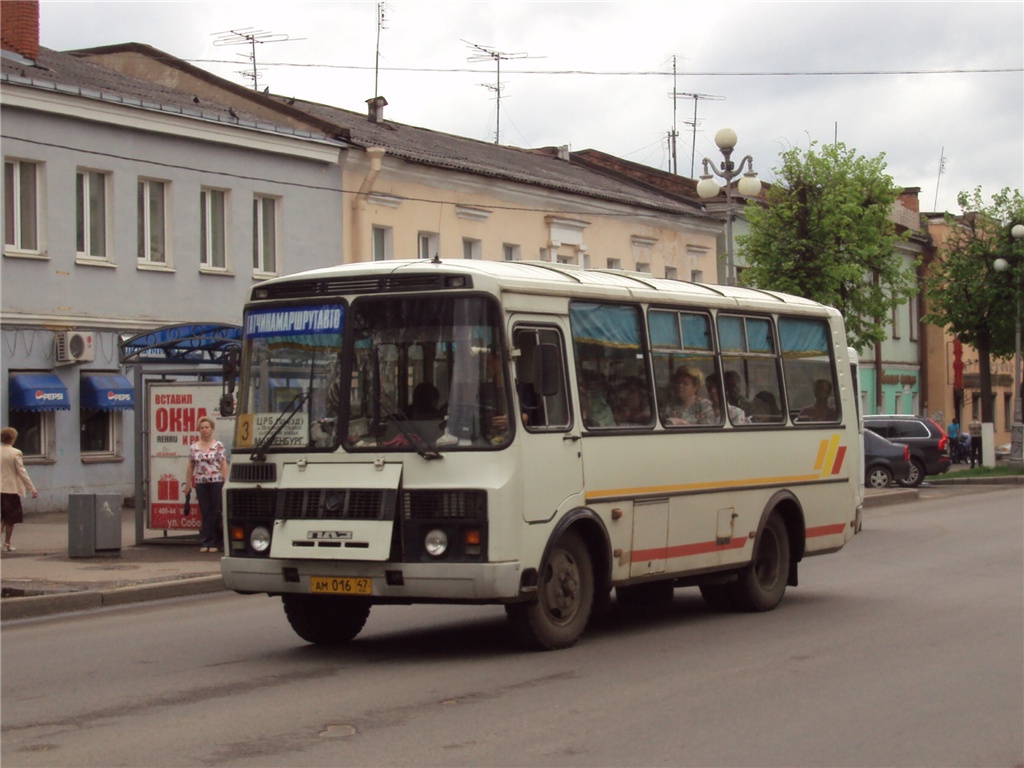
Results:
<point x="822" y="409"/>
<point x="765" y="408"/>
<point x="684" y="406"/>
<point x="594" y="401"/>
<point x="631" y="405"/>
<point x="736" y="414"/>
<point x="425" y="402"/>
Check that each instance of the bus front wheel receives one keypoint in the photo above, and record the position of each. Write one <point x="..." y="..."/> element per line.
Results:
<point x="565" y="597"/>
<point x="324" y="620"/>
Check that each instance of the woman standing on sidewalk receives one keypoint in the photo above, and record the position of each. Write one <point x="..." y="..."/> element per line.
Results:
<point x="207" y="468"/>
<point x="14" y="483"/>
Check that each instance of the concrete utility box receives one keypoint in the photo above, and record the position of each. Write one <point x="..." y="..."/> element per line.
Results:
<point x="94" y="524"/>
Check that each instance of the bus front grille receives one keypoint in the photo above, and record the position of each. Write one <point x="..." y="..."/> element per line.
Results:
<point x="454" y="505"/>
<point x="312" y="504"/>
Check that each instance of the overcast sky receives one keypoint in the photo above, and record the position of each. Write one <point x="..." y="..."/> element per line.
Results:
<point x="913" y="80"/>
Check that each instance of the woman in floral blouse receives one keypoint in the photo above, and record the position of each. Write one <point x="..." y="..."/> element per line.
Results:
<point x="207" y="468"/>
<point x="685" y="407"/>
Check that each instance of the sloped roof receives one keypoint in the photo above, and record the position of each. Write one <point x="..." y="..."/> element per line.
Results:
<point x="83" y="73"/>
<point x="74" y="75"/>
<point x="527" y="166"/>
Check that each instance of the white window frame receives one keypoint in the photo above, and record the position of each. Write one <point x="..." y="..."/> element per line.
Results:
<point x="47" y="429"/>
<point x="671" y="273"/>
<point x="113" y="430"/>
<point x="265" y="236"/>
<point x="154" y="244"/>
<point x="696" y="275"/>
<point x="614" y="263"/>
<point x="428" y="245"/>
<point x="85" y="224"/>
<point x="511" y="252"/>
<point x="213" y="244"/>
<point x="18" y="206"/>
<point x="382" y="243"/>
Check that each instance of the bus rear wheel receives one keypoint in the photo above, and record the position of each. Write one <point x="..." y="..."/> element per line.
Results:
<point x="565" y="597"/>
<point x="763" y="583"/>
<point x="326" y="620"/>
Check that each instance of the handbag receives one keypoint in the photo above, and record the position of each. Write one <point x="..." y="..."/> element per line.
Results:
<point x="188" y="504"/>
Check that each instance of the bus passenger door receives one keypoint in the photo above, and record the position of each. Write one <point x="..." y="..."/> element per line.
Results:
<point x="549" y="444"/>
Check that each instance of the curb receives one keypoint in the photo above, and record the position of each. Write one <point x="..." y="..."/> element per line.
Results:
<point x="884" y="498"/>
<point x="67" y="602"/>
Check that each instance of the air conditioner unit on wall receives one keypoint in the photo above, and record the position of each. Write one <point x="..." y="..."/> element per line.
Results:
<point x="72" y="347"/>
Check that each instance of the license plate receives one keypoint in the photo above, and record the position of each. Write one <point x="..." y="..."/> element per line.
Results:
<point x="338" y="585"/>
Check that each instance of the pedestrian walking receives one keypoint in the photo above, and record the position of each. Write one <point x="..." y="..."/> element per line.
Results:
<point x="14" y="483"/>
<point x="207" y="468"/>
<point x="974" y="430"/>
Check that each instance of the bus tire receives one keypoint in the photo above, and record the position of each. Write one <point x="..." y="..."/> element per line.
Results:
<point x="762" y="584"/>
<point x="326" y="620"/>
<point x="565" y="597"/>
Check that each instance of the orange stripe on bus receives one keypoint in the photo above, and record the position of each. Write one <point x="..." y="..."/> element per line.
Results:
<point x="819" y="462"/>
<point x="708" y="486"/>
<point x="825" y="530"/>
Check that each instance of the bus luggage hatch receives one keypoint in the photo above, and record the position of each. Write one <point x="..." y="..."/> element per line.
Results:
<point x="333" y="512"/>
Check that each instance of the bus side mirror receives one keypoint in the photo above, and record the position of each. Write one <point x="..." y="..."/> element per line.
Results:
<point x="547" y="369"/>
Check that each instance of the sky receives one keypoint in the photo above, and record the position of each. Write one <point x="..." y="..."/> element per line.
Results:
<point x="937" y="87"/>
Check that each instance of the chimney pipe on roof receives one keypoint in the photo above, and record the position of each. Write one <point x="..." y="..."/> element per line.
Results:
<point x="19" y="27"/>
<point x="375" y="109"/>
<point x="564" y="153"/>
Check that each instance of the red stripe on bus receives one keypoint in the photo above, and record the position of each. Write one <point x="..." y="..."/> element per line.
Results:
<point x="825" y="530"/>
<point x="685" y="550"/>
<point x="839" y="460"/>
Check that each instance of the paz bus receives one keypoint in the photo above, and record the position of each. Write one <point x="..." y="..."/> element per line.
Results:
<point x="533" y="435"/>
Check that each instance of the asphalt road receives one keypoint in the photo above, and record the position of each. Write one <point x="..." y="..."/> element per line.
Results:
<point x="904" y="649"/>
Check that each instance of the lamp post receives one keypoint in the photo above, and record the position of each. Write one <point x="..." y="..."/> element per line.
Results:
<point x="749" y="186"/>
<point x="1017" y="429"/>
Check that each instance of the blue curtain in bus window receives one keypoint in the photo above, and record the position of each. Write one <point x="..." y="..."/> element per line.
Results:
<point x="759" y="335"/>
<point x="679" y="330"/>
<point x="606" y="324"/>
<point x="730" y="334"/>
<point x="803" y="338"/>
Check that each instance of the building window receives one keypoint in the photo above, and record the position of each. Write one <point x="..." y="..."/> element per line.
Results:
<point x="152" y="208"/>
<point x="471" y="249"/>
<point x="97" y="432"/>
<point x="896" y="324"/>
<point x="382" y="243"/>
<point x="213" y="228"/>
<point x="91" y="191"/>
<point x="429" y="245"/>
<point x="914" y="320"/>
<point x="643" y="266"/>
<point x="264" y="235"/>
<point x="35" y="432"/>
<point x="21" y="205"/>
<point x="696" y="275"/>
<point x="614" y="263"/>
<point x="511" y="252"/>
<point x="671" y="273"/>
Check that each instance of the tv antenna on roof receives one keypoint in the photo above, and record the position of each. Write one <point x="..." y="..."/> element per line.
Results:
<point x="490" y="53"/>
<point x="675" y="96"/>
<point x="250" y="36"/>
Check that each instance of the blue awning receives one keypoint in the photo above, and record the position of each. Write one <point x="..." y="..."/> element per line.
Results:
<point x="106" y="392"/>
<point x="37" y="392"/>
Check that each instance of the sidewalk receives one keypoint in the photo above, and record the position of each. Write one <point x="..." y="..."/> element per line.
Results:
<point x="40" y="579"/>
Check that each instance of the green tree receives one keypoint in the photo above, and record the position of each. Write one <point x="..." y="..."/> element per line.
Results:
<point x="826" y="234"/>
<point x="966" y="295"/>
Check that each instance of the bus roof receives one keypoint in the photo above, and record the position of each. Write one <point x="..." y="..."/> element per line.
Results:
<point x="542" y="277"/>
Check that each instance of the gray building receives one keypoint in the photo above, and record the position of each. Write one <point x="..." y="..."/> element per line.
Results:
<point x="129" y="206"/>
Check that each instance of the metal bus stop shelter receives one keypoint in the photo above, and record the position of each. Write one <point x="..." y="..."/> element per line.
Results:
<point x="195" y="351"/>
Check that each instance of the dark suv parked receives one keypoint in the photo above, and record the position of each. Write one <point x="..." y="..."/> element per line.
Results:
<point x="929" y="446"/>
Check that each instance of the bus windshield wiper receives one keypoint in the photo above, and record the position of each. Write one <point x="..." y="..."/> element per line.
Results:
<point x="414" y="438"/>
<point x="259" y="453"/>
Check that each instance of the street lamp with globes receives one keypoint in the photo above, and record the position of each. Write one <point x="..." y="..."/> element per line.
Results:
<point x="1017" y="430"/>
<point x="749" y="186"/>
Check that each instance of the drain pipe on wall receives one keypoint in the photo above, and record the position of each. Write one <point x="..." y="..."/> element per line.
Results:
<point x="360" y="244"/>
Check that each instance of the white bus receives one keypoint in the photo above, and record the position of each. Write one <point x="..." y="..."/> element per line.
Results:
<point x="533" y="435"/>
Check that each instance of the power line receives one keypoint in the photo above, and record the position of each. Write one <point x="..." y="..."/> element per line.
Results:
<point x="648" y="73"/>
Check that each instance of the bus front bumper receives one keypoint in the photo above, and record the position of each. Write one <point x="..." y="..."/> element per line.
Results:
<point x="397" y="582"/>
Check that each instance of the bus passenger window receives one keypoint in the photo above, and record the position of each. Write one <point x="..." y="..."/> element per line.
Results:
<point x="541" y="354"/>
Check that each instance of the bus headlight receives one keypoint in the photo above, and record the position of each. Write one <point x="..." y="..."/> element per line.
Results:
<point x="436" y="542"/>
<point x="259" y="539"/>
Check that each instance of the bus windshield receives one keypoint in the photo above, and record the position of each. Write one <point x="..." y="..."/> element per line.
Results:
<point x="415" y="374"/>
